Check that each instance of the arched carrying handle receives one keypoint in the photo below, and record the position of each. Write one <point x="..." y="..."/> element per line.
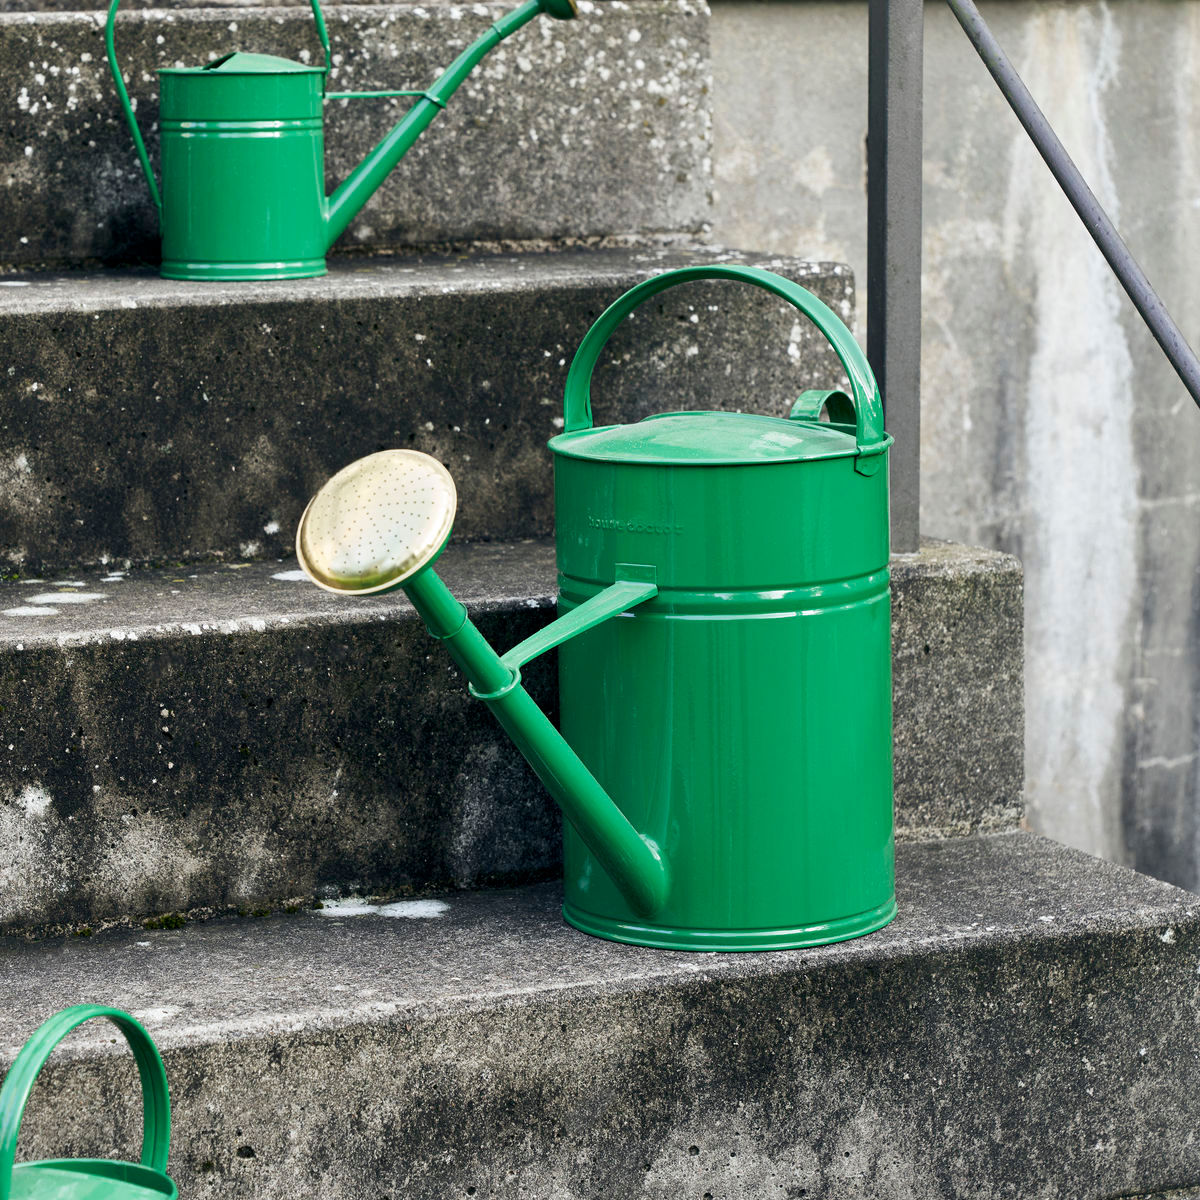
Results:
<point x="131" y="119"/>
<point x="868" y="406"/>
<point x="18" y="1083"/>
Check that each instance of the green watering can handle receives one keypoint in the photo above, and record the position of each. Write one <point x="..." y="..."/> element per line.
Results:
<point x="131" y="119"/>
<point x="18" y="1083"/>
<point x="868" y="406"/>
<point x="111" y="46"/>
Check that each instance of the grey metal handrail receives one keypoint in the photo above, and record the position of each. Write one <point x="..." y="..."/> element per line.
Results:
<point x="896" y="28"/>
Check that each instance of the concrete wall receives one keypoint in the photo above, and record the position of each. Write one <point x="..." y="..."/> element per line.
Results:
<point x="1052" y="427"/>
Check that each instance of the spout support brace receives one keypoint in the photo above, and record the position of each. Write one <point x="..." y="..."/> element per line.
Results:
<point x="614" y="600"/>
<point x="358" y="187"/>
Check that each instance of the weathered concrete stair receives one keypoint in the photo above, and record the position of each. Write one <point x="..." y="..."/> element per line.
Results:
<point x="1026" y="1028"/>
<point x="209" y="734"/>
<point x="147" y="420"/>
<point x="231" y="736"/>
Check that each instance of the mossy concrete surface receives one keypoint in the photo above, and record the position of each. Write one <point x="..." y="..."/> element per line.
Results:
<point x="147" y="420"/>
<point x="1026" y="1028"/>
<point x="527" y="148"/>
<point x="232" y="736"/>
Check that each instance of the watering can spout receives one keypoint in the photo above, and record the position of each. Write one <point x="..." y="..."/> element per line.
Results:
<point x="412" y="501"/>
<point x="361" y="184"/>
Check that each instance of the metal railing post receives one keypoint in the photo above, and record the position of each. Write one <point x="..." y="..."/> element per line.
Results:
<point x="894" y="144"/>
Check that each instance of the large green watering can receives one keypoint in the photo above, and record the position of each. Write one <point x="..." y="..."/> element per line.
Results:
<point x="87" y="1178"/>
<point x="243" y="158"/>
<point x="725" y="760"/>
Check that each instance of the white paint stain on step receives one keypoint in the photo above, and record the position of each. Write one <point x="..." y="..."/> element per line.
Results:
<point x="290" y="576"/>
<point x="31" y="611"/>
<point x="356" y="906"/>
<point x="351" y="906"/>
<point x="416" y="910"/>
<point x="67" y="597"/>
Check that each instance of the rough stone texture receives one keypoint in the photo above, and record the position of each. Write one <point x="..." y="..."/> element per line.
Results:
<point x="1052" y="426"/>
<point x="588" y="128"/>
<point x="241" y="741"/>
<point x="222" y="737"/>
<point x="463" y="357"/>
<point x="1026" y="1028"/>
<point x="958" y="708"/>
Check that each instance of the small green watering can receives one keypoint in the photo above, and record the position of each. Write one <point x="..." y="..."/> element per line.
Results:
<point x="243" y="157"/>
<point x="724" y="649"/>
<point x="87" y="1178"/>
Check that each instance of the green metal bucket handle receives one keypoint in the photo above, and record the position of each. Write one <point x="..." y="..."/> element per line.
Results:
<point x="868" y="405"/>
<point x="130" y="118"/>
<point x="18" y="1083"/>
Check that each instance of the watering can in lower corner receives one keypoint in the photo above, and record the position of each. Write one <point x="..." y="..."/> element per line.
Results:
<point x="243" y="157"/>
<point x="87" y="1178"/>
<point x="724" y="648"/>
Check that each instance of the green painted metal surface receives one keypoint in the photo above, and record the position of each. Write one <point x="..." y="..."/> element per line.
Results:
<point x="242" y="198"/>
<point x="724" y="638"/>
<point x="82" y="1178"/>
<point x="243" y="155"/>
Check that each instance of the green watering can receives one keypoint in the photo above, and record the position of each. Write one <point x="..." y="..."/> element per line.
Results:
<point x="725" y="760"/>
<point x="87" y="1178"/>
<point x="243" y="158"/>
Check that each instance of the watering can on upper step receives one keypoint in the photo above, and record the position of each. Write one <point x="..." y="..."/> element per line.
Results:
<point x="243" y="158"/>
<point x="724" y="649"/>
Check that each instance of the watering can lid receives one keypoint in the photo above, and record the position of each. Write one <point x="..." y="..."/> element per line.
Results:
<point x="242" y="63"/>
<point x="89" y="1179"/>
<point x="709" y="439"/>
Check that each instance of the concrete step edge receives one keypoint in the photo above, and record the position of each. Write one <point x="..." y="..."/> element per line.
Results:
<point x="499" y="1051"/>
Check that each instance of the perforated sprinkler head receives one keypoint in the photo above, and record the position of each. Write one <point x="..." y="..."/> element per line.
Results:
<point x="377" y="522"/>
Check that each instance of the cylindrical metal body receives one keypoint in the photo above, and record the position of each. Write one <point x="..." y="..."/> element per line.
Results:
<point x="741" y="718"/>
<point x="243" y="189"/>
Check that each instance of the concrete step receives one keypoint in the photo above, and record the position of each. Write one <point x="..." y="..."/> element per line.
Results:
<point x="146" y="420"/>
<point x="1028" y="1027"/>
<point x="596" y="127"/>
<point x="229" y="736"/>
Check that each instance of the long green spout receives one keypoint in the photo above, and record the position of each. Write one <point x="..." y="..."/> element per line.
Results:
<point x="632" y="860"/>
<point x="358" y="187"/>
